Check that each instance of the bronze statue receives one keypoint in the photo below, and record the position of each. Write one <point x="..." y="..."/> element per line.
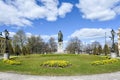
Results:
<point x="60" y="36"/>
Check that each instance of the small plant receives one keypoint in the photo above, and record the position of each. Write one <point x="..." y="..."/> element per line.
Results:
<point x="11" y="62"/>
<point x="103" y="62"/>
<point x="56" y="63"/>
<point x="107" y="57"/>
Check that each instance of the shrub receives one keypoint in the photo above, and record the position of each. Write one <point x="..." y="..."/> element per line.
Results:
<point x="106" y="57"/>
<point x="11" y="62"/>
<point x="56" y="63"/>
<point x="103" y="62"/>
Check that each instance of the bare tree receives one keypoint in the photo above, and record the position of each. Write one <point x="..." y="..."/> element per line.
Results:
<point x="74" y="45"/>
<point x="52" y="44"/>
<point x="36" y="44"/>
<point x="19" y="38"/>
<point x="46" y="48"/>
<point x="95" y="44"/>
<point x="89" y="48"/>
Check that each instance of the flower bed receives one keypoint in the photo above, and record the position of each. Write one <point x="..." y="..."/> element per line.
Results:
<point x="56" y="63"/>
<point x="11" y="62"/>
<point x="103" y="62"/>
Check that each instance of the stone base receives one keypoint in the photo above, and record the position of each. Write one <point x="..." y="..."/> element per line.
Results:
<point x="60" y="50"/>
<point x="76" y="52"/>
<point x="113" y="55"/>
<point x="6" y="56"/>
<point x="60" y="47"/>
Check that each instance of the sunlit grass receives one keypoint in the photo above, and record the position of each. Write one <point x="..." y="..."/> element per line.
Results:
<point x="81" y="65"/>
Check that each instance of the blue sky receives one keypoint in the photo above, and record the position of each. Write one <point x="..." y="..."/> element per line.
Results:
<point x="86" y="19"/>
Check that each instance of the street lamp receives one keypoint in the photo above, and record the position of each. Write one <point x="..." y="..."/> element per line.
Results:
<point x="0" y="33"/>
<point x="112" y="38"/>
<point x="6" y="54"/>
<point x="113" y="54"/>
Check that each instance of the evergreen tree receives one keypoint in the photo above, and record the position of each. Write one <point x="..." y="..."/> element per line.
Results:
<point x="17" y="50"/>
<point x="95" y="51"/>
<point x="106" y="49"/>
<point x="24" y="50"/>
<point x="99" y="50"/>
<point x="28" y="50"/>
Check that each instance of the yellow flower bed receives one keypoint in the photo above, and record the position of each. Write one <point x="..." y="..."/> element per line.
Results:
<point x="11" y="62"/>
<point x="56" y="63"/>
<point x="103" y="62"/>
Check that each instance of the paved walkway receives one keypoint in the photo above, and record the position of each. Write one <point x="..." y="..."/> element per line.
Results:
<point x="13" y="76"/>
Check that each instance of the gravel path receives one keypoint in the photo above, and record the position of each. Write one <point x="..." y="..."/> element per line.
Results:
<point x="13" y="76"/>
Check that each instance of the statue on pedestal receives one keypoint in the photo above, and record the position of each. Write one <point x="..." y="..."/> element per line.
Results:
<point x="60" y="42"/>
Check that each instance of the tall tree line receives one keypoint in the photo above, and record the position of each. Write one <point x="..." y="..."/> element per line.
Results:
<point x="74" y="45"/>
<point x="21" y="44"/>
<point x="95" y="48"/>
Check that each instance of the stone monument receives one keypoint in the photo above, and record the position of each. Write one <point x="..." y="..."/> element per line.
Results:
<point x="113" y="54"/>
<point x="60" y="43"/>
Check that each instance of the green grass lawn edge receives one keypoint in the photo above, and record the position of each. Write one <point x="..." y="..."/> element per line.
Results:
<point x="30" y="64"/>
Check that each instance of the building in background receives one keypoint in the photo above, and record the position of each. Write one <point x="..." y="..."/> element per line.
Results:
<point x="2" y="45"/>
<point x="119" y="41"/>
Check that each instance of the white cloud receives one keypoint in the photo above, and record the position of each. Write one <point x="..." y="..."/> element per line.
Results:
<point x="66" y="7"/>
<point x="21" y="12"/>
<point x="47" y="37"/>
<point x="117" y="9"/>
<point x="91" y="33"/>
<point x="99" y="9"/>
<point x="12" y="34"/>
<point x="28" y="34"/>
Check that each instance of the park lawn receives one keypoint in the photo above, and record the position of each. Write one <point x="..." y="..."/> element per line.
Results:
<point x="81" y="65"/>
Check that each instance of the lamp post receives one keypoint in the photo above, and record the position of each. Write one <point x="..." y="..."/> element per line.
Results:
<point x="113" y="54"/>
<point x="0" y="33"/>
<point x="113" y="35"/>
<point x="6" y="54"/>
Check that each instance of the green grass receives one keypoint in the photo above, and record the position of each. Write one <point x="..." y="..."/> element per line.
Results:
<point x="80" y="65"/>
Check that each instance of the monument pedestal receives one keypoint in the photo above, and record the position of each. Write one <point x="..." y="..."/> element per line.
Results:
<point x="113" y="55"/>
<point x="6" y="55"/>
<point x="60" y="47"/>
